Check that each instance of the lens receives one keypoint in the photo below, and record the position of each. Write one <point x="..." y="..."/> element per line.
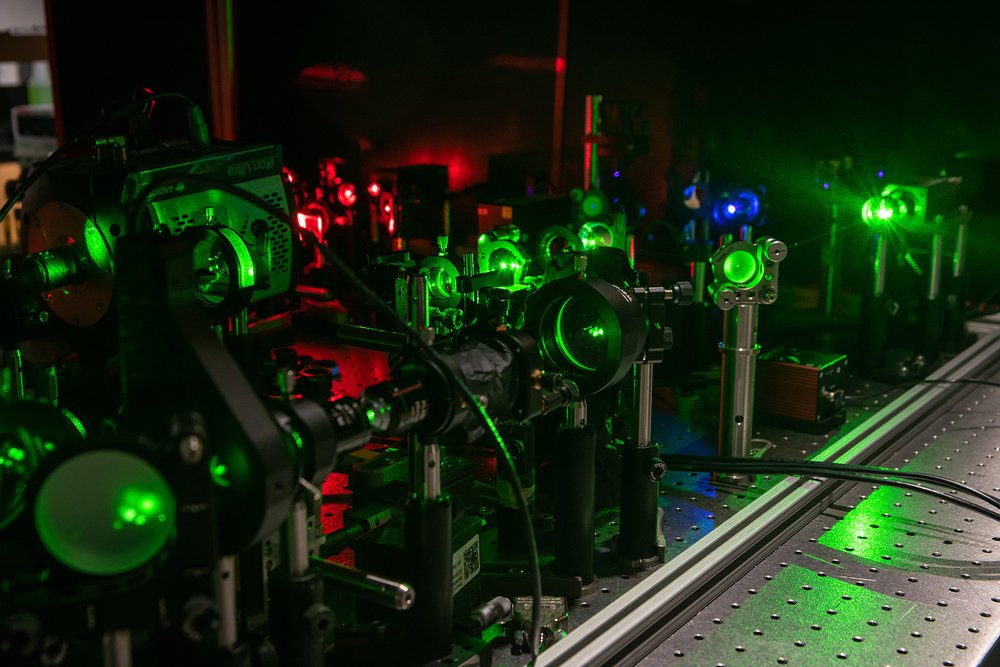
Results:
<point x="594" y="205"/>
<point x="19" y="457"/>
<point x="224" y="268"/>
<point x="740" y="267"/>
<point x="104" y="512"/>
<point x="884" y="211"/>
<point x="594" y="235"/>
<point x="580" y="334"/>
<point x="590" y="330"/>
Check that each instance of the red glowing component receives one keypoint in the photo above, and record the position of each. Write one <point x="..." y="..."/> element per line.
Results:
<point x="341" y="221"/>
<point x="560" y="65"/>
<point x="347" y="195"/>
<point x="392" y="224"/>
<point x="374" y="189"/>
<point x="387" y="208"/>
<point x="304" y="220"/>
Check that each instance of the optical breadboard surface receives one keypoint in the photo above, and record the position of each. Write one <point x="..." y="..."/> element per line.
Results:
<point x="881" y="575"/>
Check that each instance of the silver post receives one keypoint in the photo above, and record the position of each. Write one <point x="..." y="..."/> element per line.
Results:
<point x="576" y="414"/>
<point x="739" y="359"/>
<point x="12" y="361"/>
<point x="117" y="648"/>
<point x="419" y="311"/>
<point x="934" y="275"/>
<point x="698" y="282"/>
<point x="831" y="286"/>
<point x="880" y="267"/>
<point x="592" y="128"/>
<point x="225" y="593"/>
<point x="958" y="263"/>
<point x="643" y="404"/>
<point x="241" y="323"/>
<point x="427" y="468"/>
<point x="297" y="540"/>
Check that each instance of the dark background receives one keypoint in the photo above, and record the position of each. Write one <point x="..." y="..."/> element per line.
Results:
<point x="757" y="95"/>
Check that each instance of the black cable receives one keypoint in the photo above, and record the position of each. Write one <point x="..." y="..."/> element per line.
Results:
<point x="57" y="154"/>
<point x="132" y="222"/>
<point x="764" y="466"/>
<point x="848" y="467"/>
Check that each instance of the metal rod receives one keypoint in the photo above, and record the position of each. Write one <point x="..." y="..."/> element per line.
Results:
<point x="958" y="262"/>
<point x="937" y="262"/>
<point x="297" y="540"/>
<point x="576" y="445"/>
<point x="241" y="323"/>
<point x="640" y="535"/>
<point x="644" y="405"/>
<point x="426" y="455"/>
<point x="366" y="586"/>
<point x="12" y="360"/>
<point x="225" y="594"/>
<point x="880" y="268"/>
<point x="592" y="128"/>
<point x="698" y="282"/>
<point x="222" y="67"/>
<point x="559" y="105"/>
<point x="117" y="648"/>
<point x="739" y="359"/>
<point x="832" y="275"/>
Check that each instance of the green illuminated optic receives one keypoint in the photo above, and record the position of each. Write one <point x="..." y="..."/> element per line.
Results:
<point x="97" y="247"/>
<point x="592" y="206"/>
<point x="213" y="272"/>
<point x="77" y="424"/>
<point x="218" y="471"/>
<point x="740" y="267"/>
<point x="595" y="331"/>
<point x="562" y="342"/>
<point x="105" y="512"/>
<point x="371" y="414"/>
<point x="879" y="211"/>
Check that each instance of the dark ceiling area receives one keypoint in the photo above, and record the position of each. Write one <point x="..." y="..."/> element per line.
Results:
<point x="756" y="96"/>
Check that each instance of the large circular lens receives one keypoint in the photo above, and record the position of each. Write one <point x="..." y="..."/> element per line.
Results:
<point x="591" y="331"/>
<point x="104" y="512"/>
<point x="580" y="334"/>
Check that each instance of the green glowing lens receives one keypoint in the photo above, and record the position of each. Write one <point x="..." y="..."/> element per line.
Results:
<point x="104" y="512"/>
<point x="219" y="472"/>
<point x="883" y="210"/>
<point x="740" y="267"/>
<point x="580" y="336"/>
<point x="214" y="274"/>
<point x="593" y="205"/>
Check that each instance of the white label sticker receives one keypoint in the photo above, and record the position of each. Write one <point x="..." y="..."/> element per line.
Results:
<point x="465" y="564"/>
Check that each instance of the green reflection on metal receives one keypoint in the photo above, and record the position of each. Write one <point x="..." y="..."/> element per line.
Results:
<point x="870" y="531"/>
<point x="800" y="611"/>
<point x="77" y="424"/>
<point x="98" y="248"/>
